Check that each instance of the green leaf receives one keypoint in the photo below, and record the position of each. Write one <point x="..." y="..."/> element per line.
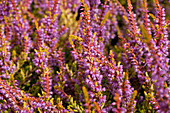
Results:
<point x="86" y="96"/>
<point x="106" y="16"/>
<point x="39" y="110"/>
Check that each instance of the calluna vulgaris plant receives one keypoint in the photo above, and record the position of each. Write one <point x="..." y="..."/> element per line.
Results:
<point x="65" y="56"/>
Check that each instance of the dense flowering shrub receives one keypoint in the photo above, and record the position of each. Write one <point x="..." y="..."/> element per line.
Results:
<point x="65" y="56"/>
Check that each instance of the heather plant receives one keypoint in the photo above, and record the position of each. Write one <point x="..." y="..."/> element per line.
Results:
<point x="84" y="56"/>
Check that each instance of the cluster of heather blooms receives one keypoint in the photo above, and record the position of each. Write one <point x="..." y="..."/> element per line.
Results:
<point x="84" y="56"/>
